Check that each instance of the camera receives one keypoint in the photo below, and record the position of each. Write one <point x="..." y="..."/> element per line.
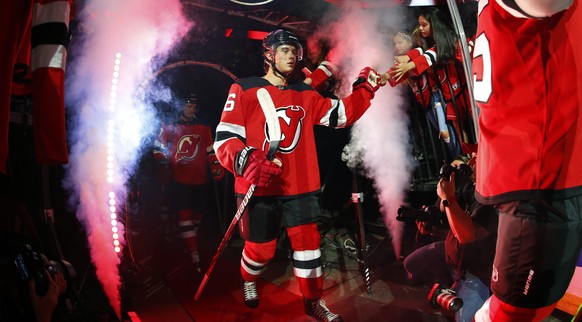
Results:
<point x="430" y="215"/>
<point x="462" y="170"/>
<point x="406" y="213"/>
<point x="31" y="265"/>
<point x="444" y="298"/>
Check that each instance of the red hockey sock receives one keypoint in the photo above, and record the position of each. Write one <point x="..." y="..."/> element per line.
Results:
<point x="503" y="312"/>
<point x="188" y="229"/>
<point x="255" y="257"/>
<point x="305" y="241"/>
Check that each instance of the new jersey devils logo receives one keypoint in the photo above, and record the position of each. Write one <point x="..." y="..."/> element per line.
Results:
<point x="291" y="122"/>
<point x="188" y="147"/>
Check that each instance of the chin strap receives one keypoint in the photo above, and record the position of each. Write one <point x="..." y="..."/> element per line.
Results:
<point x="275" y="69"/>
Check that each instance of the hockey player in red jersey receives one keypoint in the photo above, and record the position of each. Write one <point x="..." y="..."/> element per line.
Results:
<point x="528" y="86"/>
<point x="289" y="190"/>
<point x="185" y="148"/>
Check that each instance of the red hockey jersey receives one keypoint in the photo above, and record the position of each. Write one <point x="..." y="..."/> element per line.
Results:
<point x="299" y="108"/>
<point x="528" y="86"/>
<point x="186" y="147"/>
<point x="448" y="78"/>
<point x="418" y="84"/>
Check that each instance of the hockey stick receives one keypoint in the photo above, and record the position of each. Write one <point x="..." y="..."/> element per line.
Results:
<point x="274" y="132"/>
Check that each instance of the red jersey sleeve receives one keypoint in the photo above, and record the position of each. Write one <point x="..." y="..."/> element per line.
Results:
<point x="231" y="132"/>
<point x="425" y="61"/>
<point x="414" y="52"/>
<point x="344" y="112"/>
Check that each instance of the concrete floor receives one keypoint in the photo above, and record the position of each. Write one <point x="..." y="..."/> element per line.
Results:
<point x="163" y="283"/>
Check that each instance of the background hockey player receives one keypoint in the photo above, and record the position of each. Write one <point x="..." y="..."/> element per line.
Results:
<point x="185" y="150"/>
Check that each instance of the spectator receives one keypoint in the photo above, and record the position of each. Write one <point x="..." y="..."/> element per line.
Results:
<point x="19" y="299"/>
<point x="439" y="59"/>
<point x="464" y="258"/>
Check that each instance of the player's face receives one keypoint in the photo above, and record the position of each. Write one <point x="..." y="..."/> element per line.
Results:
<point x="189" y="110"/>
<point x="285" y="58"/>
<point x="424" y="27"/>
<point x="401" y="45"/>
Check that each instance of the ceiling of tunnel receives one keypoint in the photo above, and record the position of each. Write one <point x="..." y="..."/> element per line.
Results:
<point x="207" y="42"/>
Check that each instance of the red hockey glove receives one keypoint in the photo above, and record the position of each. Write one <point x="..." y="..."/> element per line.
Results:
<point x="367" y="79"/>
<point x="253" y="165"/>
<point x="323" y="72"/>
<point x="216" y="168"/>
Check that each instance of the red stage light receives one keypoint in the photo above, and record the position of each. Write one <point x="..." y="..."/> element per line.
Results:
<point x="256" y="35"/>
<point x="250" y="34"/>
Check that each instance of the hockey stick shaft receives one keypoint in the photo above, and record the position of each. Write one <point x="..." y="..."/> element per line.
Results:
<point x="274" y="130"/>
<point x="225" y="240"/>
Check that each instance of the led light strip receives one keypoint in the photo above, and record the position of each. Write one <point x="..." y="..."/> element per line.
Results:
<point x="111" y="152"/>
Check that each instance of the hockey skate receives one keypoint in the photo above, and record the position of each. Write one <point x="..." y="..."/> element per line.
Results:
<point x="250" y="294"/>
<point x="318" y="310"/>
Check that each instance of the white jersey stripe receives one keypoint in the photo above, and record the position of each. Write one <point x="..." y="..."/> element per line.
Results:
<point x="249" y="270"/>
<point x="232" y="131"/>
<point x="307" y="273"/>
<point x="341" y="117"/>
<point x="306" y="255"/>
<point x="48" y="56"/>
<point x="57" y="11"/>
<point x="188" y="234"/>
<point x="252" y="262"/>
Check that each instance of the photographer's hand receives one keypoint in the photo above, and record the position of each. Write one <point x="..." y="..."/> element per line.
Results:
<point x="446" y="189"/>
<point x="460" y="222"/>
<point x="44" y="305"/>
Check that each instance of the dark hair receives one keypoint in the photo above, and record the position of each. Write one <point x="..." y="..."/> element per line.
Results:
<point x="444" y="37"/>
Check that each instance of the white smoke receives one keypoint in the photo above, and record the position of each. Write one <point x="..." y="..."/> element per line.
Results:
<point x="106" y="131"/>
<point x="380" y="141"/>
